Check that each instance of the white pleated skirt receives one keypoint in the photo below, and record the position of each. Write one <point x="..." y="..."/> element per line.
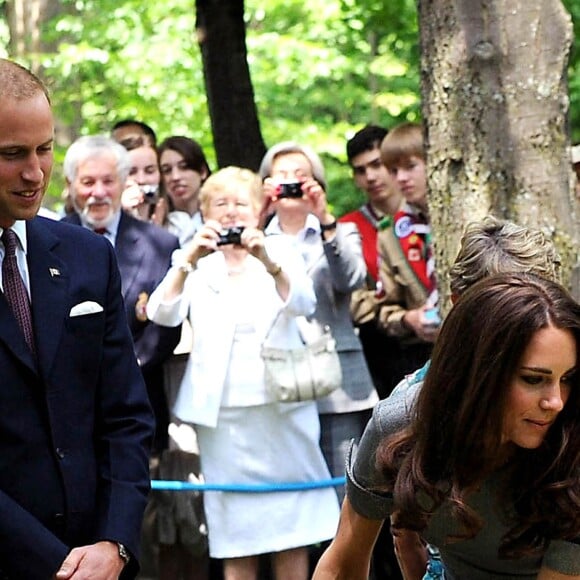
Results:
<point x="274" y="443"/>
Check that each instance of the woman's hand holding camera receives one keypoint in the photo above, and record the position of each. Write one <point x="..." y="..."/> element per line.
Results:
<point x="271" y="189"/>
<point x="316" y="197"/>
<point x="253" y="241"/>
<point x="204" y="242"/>
<point x="132" y="196"/>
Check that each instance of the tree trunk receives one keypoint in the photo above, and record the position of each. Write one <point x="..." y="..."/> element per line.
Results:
<point x="25" y="19"/>
<point x="234" y="120"/>
<point x="495" y="104"/>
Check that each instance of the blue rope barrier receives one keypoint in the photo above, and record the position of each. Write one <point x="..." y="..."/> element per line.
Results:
<point x="169" y="485"/>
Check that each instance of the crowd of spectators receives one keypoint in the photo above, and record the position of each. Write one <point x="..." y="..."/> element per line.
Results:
<point x="213" y="263"/>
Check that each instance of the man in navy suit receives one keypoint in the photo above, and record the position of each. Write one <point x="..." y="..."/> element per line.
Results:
<point x="76" y="425"/>
<point x="96" y="168"/>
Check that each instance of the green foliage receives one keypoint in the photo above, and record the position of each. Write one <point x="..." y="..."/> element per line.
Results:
<point x="320" y="70"/>
<point x="573" y="7"/>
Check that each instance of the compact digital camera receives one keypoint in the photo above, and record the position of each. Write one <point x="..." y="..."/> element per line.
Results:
<point x="150" y="193"/>
<point x="231" y="236"/>
<point x="292" y="190"/>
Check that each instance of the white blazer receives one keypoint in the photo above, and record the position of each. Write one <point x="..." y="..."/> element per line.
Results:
<point x="212" y="314"/>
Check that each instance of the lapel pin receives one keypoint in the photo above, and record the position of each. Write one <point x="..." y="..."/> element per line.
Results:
<point x="54" y="272"/>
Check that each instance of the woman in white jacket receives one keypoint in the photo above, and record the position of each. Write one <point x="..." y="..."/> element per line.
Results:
<point x="236" y="285"/>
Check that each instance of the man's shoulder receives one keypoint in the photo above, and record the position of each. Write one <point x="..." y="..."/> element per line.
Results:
<point x="351" y="216"/>
<point x="147" y="229"/>
<point x="357" y="217"/>
<point x="65" y="229"/>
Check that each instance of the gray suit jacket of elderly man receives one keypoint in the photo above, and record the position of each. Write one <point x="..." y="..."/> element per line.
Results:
<point x="337" y="267"/>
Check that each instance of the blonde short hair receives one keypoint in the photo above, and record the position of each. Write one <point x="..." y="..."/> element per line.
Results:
<point x="401" y="143"/>
<point x="231" y="179"/>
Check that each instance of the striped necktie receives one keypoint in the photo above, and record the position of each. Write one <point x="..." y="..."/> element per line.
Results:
<point x="14" y="288"/>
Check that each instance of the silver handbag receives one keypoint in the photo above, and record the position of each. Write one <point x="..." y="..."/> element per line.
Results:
<point x="304" y="373"/>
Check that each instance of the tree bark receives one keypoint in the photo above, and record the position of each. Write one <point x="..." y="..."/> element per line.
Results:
<point x="25" y="19"/>
<point x="234" y="120"/>
<point x="495" y="107"/>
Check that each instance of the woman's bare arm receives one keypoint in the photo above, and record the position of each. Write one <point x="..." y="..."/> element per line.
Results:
<point x="349" y="554"/>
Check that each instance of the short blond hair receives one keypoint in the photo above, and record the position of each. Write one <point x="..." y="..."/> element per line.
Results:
<point x="402" y="143"/>
<point x="231" y="179"/>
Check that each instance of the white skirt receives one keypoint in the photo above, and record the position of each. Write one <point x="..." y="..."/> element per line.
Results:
<point x="275" y="443"/>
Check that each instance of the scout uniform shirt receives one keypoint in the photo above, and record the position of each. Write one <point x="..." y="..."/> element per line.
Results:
<point x="407" y="269"/>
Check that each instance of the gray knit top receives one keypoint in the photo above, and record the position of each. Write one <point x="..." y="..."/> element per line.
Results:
<point x="472" y="559"/>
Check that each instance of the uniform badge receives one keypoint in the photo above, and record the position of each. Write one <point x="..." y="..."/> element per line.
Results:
<point x="414" y="255"/>
<point x="403" y="227"/>
<point x="413" y="239"/>
<point x="141" y="306"/>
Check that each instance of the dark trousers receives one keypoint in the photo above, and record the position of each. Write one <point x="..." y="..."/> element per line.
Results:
<point x="390" y="360"/>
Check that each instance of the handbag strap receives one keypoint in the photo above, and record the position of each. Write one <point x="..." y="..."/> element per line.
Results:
<point x="274" y="323"/>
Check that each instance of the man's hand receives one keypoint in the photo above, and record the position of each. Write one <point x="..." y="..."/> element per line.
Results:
<point x="100" y="561"/>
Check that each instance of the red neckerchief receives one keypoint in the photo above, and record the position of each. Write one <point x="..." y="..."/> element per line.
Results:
<point x="413" y="235"/>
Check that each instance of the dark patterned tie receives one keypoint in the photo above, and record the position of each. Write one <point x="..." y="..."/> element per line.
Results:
<point x="14" y="288"/>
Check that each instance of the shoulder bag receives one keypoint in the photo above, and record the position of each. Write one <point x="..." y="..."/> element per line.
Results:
<point x="304" y="373"/>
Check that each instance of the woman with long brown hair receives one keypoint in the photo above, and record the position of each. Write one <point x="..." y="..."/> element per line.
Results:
<point x="486" y="464"/>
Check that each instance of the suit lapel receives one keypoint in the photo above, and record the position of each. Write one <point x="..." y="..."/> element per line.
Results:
<point x="12" y="336"/>
<point x="49" y="282"/>
<point x="129" y="252"/>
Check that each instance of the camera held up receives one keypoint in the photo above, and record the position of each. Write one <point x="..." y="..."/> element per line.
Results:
<point x="231" y="236"/>
<point x="150" y="193"/>
<point x="292" y="190"/>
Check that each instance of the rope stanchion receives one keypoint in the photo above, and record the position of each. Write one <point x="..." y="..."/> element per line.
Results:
<point x="168" y="485"/>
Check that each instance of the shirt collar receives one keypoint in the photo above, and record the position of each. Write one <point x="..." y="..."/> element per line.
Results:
<point x="112" y="227"/>
<point x="312" y="225"/>
<point x="19" y="228"/>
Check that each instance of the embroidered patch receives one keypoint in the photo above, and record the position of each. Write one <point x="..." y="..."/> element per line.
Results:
<point x="414" y="255"/>
<point x="403" y="227"/>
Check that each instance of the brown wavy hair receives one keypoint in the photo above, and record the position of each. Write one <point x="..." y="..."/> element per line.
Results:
<point x="451" y="445"/>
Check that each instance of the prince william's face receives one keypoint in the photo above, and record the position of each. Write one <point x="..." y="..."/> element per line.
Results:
<point x="26" y="156"/>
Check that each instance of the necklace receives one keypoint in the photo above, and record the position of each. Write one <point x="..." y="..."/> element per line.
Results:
<point x="235" y="270"/>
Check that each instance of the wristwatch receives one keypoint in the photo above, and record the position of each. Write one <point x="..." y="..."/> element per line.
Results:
<point x="328" y="227"/>
<point x="123" y="553"/>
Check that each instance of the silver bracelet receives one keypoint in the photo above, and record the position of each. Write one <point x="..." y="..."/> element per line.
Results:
<point x="186" y="267"/>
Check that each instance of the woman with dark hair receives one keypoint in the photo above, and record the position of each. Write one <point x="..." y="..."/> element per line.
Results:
<point x="486" y="465"/>
<point x="184" y="168"/>
<point x="141" y="197"/>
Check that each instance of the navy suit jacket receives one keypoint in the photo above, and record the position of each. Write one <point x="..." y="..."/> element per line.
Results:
<point x="76" y="425"/>
<point x="144" y="255"/>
